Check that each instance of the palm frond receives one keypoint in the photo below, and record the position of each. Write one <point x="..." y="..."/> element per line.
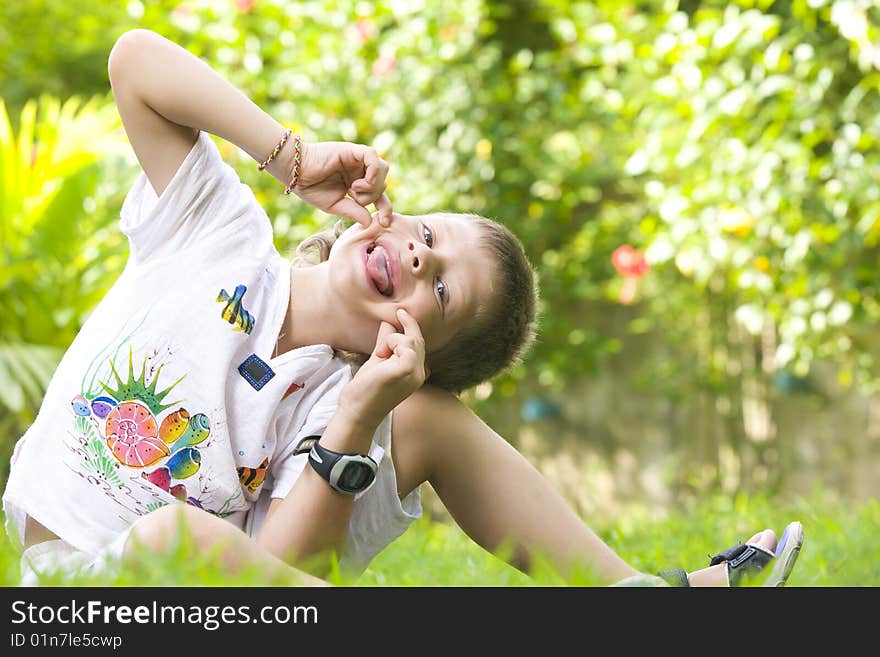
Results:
<point x="25" y="372"/>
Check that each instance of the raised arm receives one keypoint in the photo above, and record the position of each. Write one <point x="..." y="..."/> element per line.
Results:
<point x="495" y="495"/>
<point x="165" y="95"/>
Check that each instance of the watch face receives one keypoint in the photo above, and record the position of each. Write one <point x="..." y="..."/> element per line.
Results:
<point x="355" y="476"/>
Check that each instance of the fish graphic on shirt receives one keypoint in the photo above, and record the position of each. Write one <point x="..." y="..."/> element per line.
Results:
<point x="234" y="312"/>
<point x="252" y="478"/>
<point x="161" y="477"/>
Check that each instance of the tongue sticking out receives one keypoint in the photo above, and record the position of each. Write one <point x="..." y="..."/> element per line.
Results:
<point x="377" y="268"/>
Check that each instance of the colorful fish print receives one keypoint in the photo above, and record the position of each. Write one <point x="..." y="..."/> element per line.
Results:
<point x="252" y="478"/>
<point x="179" y="491"/>
<point x="101" y="406"/>
<point x="292" y="389"/>
<point x="234" y="312"/>
<point x="173" y="426"/>
<point x="136" y="437"/>
<point x="184" y="462"/>
<point x="132" y="435"/>
<point x="80" y="406"/>
<point x="196" y="432"/>
<point x="161" y="478"/>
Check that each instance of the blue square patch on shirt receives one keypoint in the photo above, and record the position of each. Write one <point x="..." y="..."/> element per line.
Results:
<point x="256" y="371"/>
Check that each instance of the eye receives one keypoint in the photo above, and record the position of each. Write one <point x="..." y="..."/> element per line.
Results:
<point x="428" y="235"/>
<point x="441" y="289"/>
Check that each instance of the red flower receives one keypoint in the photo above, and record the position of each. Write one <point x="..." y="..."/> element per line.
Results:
<point x="628" y="262"/>
<point x="244" y="6"/>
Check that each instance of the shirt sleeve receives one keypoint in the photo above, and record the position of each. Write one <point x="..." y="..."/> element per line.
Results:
<point x="205" y="203"/>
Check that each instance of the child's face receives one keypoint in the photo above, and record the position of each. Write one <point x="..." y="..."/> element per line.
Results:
<point x="431" y="265"/>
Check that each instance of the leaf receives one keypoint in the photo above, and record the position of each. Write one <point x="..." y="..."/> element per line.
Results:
<point x="11" y="393"/>
<point x="26" y="371"/>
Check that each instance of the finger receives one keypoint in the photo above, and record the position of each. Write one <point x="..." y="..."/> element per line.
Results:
<point x="376" y="168"/>
<point x="408" y="361"/>
<point x="405" y="362"/>
<point x="364" y="198"/>
<point x="410" y="325"/>
<point x="398" y="341"/>
<point x="364" y="192"/>
<point x="357" y="161"/>
<point x="383" y="349"/>
<point x="361" y="185"/>
<point x="384" y="210"/>
<point x="401" y="368"/>
<point x="350" y="208"/>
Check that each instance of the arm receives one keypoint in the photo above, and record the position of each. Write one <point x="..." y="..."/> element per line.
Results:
<point x="313" y="518"/>
<point x="165" y="95"/>
<point x="497" y="497"/>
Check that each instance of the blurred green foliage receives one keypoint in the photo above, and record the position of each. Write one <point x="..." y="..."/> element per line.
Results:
<point x="60" y="248"/>
<point x="733" y="143"/>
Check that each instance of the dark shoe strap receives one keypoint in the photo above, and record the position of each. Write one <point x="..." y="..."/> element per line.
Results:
<point x="743" y="560"/>
<point x="675" y="576"/>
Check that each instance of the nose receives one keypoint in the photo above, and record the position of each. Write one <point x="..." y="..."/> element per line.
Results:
<point x="419" y="258"/>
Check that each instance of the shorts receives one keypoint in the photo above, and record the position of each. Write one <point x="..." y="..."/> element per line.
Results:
<point x="56" y="557"/>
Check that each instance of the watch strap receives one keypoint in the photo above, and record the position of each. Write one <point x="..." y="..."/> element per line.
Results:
<point x="327" y="464"/>
<point x="304" y="446"/>
<point x="323" y="460"/>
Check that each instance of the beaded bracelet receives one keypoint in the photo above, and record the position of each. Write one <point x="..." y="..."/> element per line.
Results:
<point x="297" y="157"/>
<point x="276" y="151"/>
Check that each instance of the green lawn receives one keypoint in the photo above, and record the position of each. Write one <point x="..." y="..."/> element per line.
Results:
<point x="839" y="550"/>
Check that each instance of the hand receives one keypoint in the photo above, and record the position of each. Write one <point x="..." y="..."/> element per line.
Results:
<point x="342" y="179"/>
<point x="394" y="371"/>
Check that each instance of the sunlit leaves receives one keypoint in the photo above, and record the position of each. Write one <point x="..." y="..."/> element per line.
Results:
<point x="56" y="258"/>
<point x="734" y="143"/>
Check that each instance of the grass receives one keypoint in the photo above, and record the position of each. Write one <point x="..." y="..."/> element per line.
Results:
<point x="839" y="550"/>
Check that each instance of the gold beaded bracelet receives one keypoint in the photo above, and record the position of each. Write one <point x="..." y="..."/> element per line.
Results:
<point x="297" y="158"/>
<point x="276" y="151"/>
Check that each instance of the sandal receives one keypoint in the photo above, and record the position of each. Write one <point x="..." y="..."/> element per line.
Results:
<point x="746" y="561"/>
<point x="787" y="551"/>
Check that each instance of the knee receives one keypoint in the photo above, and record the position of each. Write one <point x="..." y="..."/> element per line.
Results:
<point x="166" y="528"/>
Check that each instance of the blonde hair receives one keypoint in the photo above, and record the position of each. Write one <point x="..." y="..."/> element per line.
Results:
<point x="501" y="332"/>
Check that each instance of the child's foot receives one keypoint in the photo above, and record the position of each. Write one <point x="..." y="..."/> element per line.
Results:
<point x="749" y="561"/>
<point x="765" y="539"/>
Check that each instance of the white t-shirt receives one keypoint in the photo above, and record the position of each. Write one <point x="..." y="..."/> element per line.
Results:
<point x="169" y="392"/>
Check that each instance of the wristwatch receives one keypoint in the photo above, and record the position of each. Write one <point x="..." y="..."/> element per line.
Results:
<point x="346" y="473"/>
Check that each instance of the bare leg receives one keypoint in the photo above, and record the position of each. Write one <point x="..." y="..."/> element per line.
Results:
<point x="158" y="532"/>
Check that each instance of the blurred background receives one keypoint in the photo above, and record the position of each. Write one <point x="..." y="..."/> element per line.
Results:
<point x="695" y="181"/>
